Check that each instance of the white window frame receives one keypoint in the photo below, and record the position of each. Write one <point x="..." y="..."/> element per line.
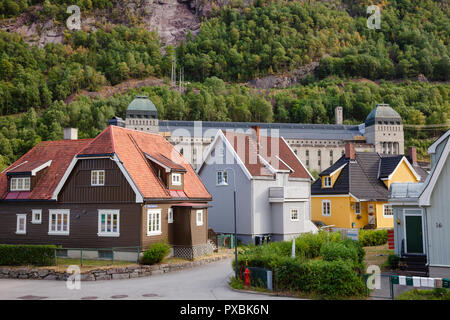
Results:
<point x="326" y="214"/>
<point x="21" y="216"/>
<point x="170" y="215"/>
<point x="358" y="204"/>
<point x="327" y="182"/>
<point x="384" y="210"/>
<point x="150" y="213"/>
<point x="16" y="184"/>
<point x="223" y="174"/>
<point x="176" y="179"/>
<point x="297" y="212"/>
<point x="63" y="212"/>
<point x="95" y="178"/>
<point x="34" y="212"/>
<point x="199" y="213"/>
<point x="111" y="213"/>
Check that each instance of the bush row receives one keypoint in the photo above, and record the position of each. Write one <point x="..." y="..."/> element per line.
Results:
<point x="155" y="253"/>
<point x="16" y="255"/>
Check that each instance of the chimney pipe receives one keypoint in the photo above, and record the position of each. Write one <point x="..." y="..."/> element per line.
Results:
<point x="350" y="151"/>
<point x="412" y="153"/>
<point x="70" y="133"/>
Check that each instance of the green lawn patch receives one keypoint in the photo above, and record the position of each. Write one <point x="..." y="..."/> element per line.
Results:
<point x="435" y="294"/>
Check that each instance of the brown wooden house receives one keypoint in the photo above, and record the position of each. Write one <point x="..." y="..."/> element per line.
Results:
<point x="123" y="188"/>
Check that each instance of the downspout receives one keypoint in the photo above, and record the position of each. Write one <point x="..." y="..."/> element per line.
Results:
<point x="425" y="216"/>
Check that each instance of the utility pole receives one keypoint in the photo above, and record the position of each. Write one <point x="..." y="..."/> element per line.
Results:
<point x="173" y="75"/>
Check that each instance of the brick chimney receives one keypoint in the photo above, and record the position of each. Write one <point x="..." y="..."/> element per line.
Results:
<point x="257" y="130"/>
<point x="412" y="153"/>
<point x="70" y="133"/>
<point x="350" y="151"/>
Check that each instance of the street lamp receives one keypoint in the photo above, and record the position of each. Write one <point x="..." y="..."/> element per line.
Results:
<point x="223" y="183"/>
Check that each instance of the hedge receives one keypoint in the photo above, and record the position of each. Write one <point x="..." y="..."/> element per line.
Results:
<point x="372" y="237"/>
<point x="17" y="255"/>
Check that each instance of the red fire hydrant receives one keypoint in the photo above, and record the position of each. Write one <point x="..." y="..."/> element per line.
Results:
<point x="247" y="277"/>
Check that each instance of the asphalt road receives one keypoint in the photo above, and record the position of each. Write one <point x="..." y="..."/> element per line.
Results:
<point x="207" y="282"/>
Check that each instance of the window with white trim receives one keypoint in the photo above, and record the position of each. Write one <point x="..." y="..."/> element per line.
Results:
<point x="170" y="215"/>
<point x="58" y="221"/>
<point x="199" y="217"/>
<point x="20" y="184"/>
<point x="153" y="222"/>
<point x="21" y="227"/>
<point x="358" y="207"/>
<point x="222" y="177"/>
<point x="326" y="208"/>
<point x="176" y="179"/>
<point x="97" y="177"/>
<point x="388" y="212"/>
<point x="36" y="216"/>
<point x="108" y="223"/>
<point x="326" y="182"/>
<point x="294" y="214"/>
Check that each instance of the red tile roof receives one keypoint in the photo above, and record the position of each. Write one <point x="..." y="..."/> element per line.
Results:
<point x="61" y="153"/>
<point x="129" y="145"/>
<point x="273" y="150"/>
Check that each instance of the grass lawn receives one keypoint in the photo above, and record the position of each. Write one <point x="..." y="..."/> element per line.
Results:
<point x="377" y="255"/>
<point x="435" y="294"/>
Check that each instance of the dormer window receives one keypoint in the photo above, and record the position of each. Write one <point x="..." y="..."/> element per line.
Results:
<point x="20" y="184"/>
<point x="326" y="182"/>
<point x="176" y="179"/>
<point x="97" y="177"/>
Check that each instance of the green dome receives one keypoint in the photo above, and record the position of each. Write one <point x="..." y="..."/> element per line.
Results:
<point x="382" y="112"/>
<point x="141" y="103"/>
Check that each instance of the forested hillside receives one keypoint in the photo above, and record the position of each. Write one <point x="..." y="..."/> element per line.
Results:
<point x="237" y="42"/>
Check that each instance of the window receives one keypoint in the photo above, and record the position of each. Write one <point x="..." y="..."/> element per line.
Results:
<point x="318" y="162"/>
<point x="331" y="153"/>
<point x="108" y="223"/>
<point x="294" y="214"/>
<point x="326" y="182"/>
<point x="21" y="227"/>
<point x="105" y="254"/>
<point x="176" y="179"/>
<point x="388" y="212"/>
<point x="97" y="177"/>
<point x="319" y="153"/>
<point x="20" y="184"/>
<point x="222" y="177"/>
<point x="331" y="162"/>
<point x="36" y="216"/>
<point x="307" y="162"/>
<point x="307" y="153"/>
<point x="358" y="207"/>
<point x="58" y="222"/>
<point x="199" y="217"/>
<point x="153" y="222"/>
<point x="170" y="215"/>
<point x="326" y="207"/>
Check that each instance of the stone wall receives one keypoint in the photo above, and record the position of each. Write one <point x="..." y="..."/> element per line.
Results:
<point x="112" y="273"/>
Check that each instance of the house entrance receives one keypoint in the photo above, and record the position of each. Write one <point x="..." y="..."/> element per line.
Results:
<point x="414" y="236"/>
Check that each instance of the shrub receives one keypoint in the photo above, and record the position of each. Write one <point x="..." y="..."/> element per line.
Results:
<point x="338" y="251"/>
<point x="331" y="279"/>
<point x="393" y="261"/>
<point x="16" y="255"/>
<point x="372" y="237"/>
<point x="156" y="253"/>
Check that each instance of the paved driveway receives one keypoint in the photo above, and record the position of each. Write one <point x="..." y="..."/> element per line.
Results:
<point x="207" y="282"/>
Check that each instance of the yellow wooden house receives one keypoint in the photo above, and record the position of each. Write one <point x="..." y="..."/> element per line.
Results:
<point x="353" y="192"/>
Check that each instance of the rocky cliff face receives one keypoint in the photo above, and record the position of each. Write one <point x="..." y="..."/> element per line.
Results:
<point x="172" y="20"/>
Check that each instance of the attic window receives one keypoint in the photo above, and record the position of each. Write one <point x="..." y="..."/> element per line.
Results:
<point x="358" y="207"/>
<point x="97" y="177"/>
<point x="20" y="184"/>
<point x="176" y="179"/>
<point x="326" y="182"/>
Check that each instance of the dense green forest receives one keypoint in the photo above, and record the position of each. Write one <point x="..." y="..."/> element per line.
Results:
<point x="214" y="100"/>
<point x="237" y="43"/>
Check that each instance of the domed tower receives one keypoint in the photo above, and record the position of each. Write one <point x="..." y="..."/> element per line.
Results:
<point x="142" y="115"/>
<point x="384" y="129"/>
